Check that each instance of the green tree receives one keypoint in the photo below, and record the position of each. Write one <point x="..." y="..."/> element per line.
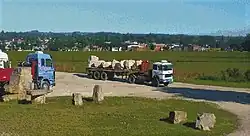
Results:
<point x="246" y="43"/>
<point x="151" y="46"/>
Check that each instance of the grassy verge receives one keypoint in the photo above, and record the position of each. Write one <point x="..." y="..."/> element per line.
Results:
<point x="115" y="116"/>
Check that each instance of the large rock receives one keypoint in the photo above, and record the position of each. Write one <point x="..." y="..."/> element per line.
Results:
<point x="40" y="99"/>
<point x="93" y="58"/>
<point x="105" y="64"/>
<point x="118" y="66"/>
<point x="77" y="99"/>
<point x="122" y="63"/>
<point x="138" y="62"/>
<point x="9" y="97"/>
<point x="96" y="63"/>
<point x="128" y="64"/>
<point x="205" y="121"/>
<point x="20" y="80"/>
<point x="176" y="117"/>
<point x="98" y="95"/>
<point x="114" y="62"/>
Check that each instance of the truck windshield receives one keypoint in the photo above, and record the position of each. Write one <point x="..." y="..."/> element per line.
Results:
<point x="165" y="67"/>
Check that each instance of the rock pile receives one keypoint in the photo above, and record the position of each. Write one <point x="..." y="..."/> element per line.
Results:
<point x="94" y="61"/>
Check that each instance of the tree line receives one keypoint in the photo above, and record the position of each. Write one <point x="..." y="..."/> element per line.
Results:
<point x="81" y="40"/>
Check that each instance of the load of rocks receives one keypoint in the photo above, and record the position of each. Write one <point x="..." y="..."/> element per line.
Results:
<point x="94" y="61"/>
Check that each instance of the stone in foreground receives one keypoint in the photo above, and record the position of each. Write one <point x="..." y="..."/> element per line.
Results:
<point x="98" y="95"/>
<point x="205" y="121"/>
<point x="9" y="97"/>
<point x="77" y="99"/>
<point x="40" y="99"/>
<point x="177" y="117"/>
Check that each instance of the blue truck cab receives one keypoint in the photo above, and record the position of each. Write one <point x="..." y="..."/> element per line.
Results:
<point x="43" y="71"/>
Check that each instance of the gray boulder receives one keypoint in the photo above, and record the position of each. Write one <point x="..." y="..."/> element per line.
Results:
<point x="205" y="121"/>
<point x="77" y="99"/>
<point x="177" y="117"/>
<point x="98" y="95"/>
<point x="40" y="99"/>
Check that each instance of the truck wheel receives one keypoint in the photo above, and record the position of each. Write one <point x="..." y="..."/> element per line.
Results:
<point x="104" y="76"/>
<point x="131" y="79"/>
<point x="155" y="82"/>
<point x="46" y="85"/>
<point x="90" y="75"/>
<point x="96" y="75"/>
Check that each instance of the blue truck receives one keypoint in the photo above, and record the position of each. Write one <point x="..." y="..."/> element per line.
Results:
<point x="42" y="70"/>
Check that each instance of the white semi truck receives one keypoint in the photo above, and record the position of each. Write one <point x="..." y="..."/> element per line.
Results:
<point x="160" y="73"/>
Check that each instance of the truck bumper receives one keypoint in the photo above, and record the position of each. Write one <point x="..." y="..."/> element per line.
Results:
<point x="167" y="81"/>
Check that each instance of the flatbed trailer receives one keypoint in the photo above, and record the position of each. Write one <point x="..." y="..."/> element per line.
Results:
<point x="161" y="73"/>
<point x="131" y="76"/>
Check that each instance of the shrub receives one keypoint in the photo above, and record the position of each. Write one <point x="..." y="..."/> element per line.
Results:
<point x="207" y="77"/>
<point x="230" y="74"/>
<point x="247" y="75"/>
<point x="233" y="73"/>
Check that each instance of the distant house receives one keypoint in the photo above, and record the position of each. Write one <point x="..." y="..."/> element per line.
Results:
<point x="159" y="47"/>
<point x="176" y="49"/>
<point x="116" y="48"/>
<point x="228" y="49"/>
<point x="196" y="47"/>
<point x="187" y="48"/>
<point x="75" y="48"/>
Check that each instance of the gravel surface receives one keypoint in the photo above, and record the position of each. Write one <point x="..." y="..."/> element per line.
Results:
<point x="235" y="100"/>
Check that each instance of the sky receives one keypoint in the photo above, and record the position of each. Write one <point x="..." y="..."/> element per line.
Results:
<point x="125" y="16"/>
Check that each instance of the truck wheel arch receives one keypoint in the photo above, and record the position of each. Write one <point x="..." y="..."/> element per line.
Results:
<point x="46" y="83"/>
<point x="156" y="77"/>
<point x="155" y="81"/>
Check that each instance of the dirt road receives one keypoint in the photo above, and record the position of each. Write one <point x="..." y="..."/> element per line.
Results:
<point x="234" y="100"/>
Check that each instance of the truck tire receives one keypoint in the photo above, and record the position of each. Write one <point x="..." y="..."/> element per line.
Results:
<point x="131" y="79"/>
<point x="90" y="75"/>
<point x="96" y="75"/>
<point x="104" y="76"/>
<point x="155" y="82"/>
<point x="46" y="85"/>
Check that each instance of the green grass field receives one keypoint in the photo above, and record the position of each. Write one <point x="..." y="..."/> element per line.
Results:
<point x="187" y="65"/>
<point x="121" y="116"/>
